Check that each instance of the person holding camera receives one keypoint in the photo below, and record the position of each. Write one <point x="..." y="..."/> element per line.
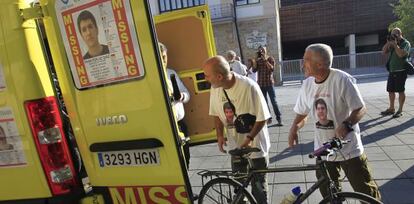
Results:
<point x="398" y="49"/>
<point x="264" y="68"/>
<point x="178" y="102"/>
<point x="233" y="96"/>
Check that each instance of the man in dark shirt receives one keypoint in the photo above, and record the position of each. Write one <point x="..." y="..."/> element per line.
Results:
<point x="398" y="49"/>
<point x="264" y="67"/>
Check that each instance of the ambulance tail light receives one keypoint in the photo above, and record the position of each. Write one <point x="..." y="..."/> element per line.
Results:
<point x="46" y="125"/>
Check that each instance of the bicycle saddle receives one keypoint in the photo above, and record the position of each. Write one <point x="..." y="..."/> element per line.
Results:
<point x="243" y="151"/>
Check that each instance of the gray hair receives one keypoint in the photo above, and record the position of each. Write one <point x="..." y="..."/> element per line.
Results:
<point x="162" y="47"/>
<point x="395" y="30"/>
<point x="324" y="51"/>
<point x="231" y="53"/>
<point x="219" y="65"/>
<point x="223" y="66"/>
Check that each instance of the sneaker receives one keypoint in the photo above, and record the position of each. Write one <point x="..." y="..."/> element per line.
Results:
<point x="387" y="112"/>
<point x="269" y="121"/>
<point x="195" y="196"/>
<point x="279" y="123"/>
<point x="397" y="114"/>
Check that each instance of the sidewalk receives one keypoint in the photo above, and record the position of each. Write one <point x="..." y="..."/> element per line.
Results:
<point x="389" y="144"/>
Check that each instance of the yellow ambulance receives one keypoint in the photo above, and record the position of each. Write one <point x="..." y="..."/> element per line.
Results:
<point x="38" y="162"/>
<point x="107" y="61"/>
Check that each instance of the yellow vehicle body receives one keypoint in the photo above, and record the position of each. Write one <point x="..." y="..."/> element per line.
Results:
<point x="24" y="76"/>
<point x="118" y="102"/>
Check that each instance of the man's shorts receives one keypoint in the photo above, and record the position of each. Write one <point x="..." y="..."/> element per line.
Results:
<point x="396" y="81"/>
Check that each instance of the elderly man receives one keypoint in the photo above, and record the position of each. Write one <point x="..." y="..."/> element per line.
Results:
<point x="345" y="108"/>
<point x="236" y="65"/>
<point x="399" y="49"/>
<point x="244" y="96"/>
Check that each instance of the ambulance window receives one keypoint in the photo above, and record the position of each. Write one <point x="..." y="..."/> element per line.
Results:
<point x="200" y="76"/>
<point x="204" y="85"/>
<point x="102" y="48"/>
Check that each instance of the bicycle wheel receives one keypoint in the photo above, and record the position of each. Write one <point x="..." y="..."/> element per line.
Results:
<point x="351" y="197"/>
<point x="224" y="191"/>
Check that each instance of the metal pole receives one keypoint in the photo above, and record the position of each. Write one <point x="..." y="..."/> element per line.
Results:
<point x="237" y="29"/>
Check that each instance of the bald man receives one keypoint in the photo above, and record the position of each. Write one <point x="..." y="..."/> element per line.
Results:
<point x="398" y="49"/>
<point x="246" y="97"/>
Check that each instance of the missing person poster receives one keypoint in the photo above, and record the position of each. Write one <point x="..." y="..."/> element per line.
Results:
<point x="100" y="41"/>
<point x="11" y="149"/>
<point x="2" y="80"/>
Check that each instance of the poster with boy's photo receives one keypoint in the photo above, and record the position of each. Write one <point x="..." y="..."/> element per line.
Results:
<point x="11" y="148"/>
<point x="324" y="126"/>
<point x="4" y="145"/>
<point x="2" y="80"/>
<point x="100" y="41"/>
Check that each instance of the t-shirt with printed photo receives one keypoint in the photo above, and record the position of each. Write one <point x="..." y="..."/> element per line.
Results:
<point x="246" y="97"/>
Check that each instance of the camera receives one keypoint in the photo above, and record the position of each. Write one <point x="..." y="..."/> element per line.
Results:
<point x="259" y="53"/>
<point x="392" y="37"/>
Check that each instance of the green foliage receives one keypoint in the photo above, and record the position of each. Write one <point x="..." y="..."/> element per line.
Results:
<point x="404" y="10"/>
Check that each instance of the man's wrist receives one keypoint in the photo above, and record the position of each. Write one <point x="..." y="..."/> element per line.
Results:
<point x="348" y="125"/>
<point x="251" y="138"/>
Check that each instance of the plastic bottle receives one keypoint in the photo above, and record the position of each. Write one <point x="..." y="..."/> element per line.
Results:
<point x="291" y="197"/>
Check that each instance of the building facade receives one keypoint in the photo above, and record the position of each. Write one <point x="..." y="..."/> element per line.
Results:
<point x="349" y="26"/>
<point x="239" y="25"/>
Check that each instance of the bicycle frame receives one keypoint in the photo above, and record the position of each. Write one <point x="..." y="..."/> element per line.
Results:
<point x="320" y="165"/>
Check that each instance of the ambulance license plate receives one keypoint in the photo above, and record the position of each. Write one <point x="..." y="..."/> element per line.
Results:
<point x="144" y="157"/>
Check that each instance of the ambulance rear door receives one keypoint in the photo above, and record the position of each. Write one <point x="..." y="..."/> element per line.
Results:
<point x="36" y="165"/>
<point x="114" y="89"/>
<point x="188" y="35"/>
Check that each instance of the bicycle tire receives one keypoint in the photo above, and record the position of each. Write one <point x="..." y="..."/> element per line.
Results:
<point x="224" y="190"/>
<point x="343" y="197"/>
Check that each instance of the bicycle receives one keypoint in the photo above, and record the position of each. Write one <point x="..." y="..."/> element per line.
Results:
<point x="226" y="190"/>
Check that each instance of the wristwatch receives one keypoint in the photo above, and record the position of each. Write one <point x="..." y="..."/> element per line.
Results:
<point x="250" y="137"/>
<point x="348" y="125"/>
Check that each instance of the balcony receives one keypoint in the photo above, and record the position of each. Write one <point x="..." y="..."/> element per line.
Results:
<point x="221" y="12"/>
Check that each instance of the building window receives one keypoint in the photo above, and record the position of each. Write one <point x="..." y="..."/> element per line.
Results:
<point x="245" y="2"/>
<point x="171" y="5"/>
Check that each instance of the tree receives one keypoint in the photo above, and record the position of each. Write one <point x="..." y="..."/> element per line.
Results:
<point x="404" y="10"/>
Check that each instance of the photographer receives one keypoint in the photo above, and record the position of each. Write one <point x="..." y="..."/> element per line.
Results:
<point x="398" y="49"/>
<point x="264" y="67"/>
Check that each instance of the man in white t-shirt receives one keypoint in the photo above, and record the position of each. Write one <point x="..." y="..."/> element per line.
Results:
<point x="345" y="107"/>
<point x="236" y="65"/>
<point x="245" y="97"/>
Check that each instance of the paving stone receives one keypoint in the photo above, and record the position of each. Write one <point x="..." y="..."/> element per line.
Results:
<point x="385" y="170"/>
<point x="399" y="152"/>
<point x="407" y="166"/>
<point x="388" y="141"/>
<point x="406" y="138"/>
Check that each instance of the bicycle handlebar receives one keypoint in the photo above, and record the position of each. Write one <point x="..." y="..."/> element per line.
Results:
<point x="322" y="151"/>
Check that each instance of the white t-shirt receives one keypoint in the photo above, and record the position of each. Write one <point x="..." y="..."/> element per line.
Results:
<point x="252" y="75"/>
<point x="238" y="67"/>
<point x="341" y="95"/>
<point x="247" y="98"/>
